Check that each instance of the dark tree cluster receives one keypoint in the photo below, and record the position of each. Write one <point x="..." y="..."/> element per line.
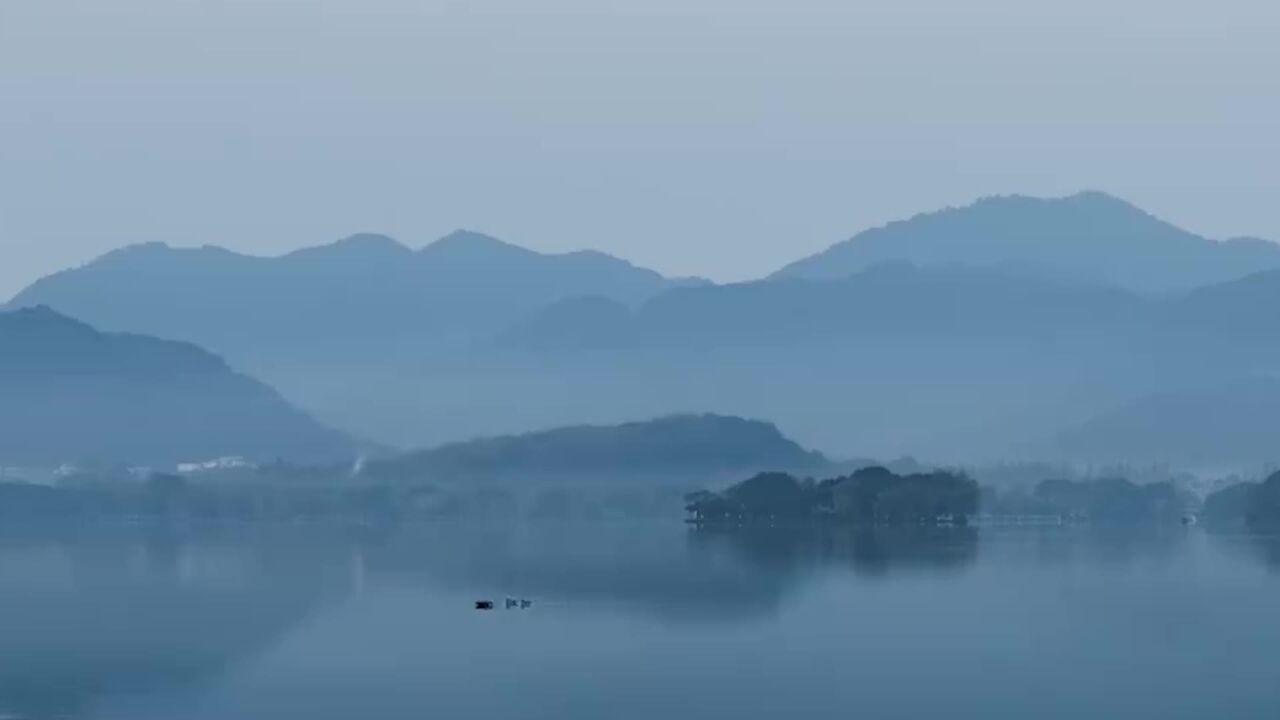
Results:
<point x="1248" y="504"/>
<point x="870" y="496"/>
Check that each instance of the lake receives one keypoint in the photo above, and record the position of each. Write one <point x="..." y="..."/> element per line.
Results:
<point x="638" y="620"/>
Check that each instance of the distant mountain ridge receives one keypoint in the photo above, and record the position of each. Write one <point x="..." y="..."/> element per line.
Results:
<point x="1087" y="237"/>
<point x="890" y="300"/>
<point x="39" y="341"/>
<point x="955" y="362"/>
<point x="677" y="444"/>
<point x="366" y="294"/>
<point x="897" y="300"/>
<point x="73" y="394"/>
<point x="1225" y="424"/>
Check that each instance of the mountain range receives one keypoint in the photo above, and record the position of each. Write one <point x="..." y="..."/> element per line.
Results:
<point x="889" y="300"/>
<point x="364" y="296"/>
<point x="986" y="331"/>
<point x="74" y="394"/>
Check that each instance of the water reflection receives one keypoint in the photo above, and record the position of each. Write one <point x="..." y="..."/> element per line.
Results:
<point x="142" y="612"/>
<point x="133" y="613"/>
<point x="869" y="552"/>
<point x="1107" y="547"/>
<point x="641" y="568"/>
<point x="1262" y="549"/>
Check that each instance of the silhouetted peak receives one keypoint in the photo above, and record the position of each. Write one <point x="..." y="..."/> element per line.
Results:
<point x="372" y="242"/>
<point x="468" y="244"/>
<point x="136" y="250"/>
<point x="368" y="245"/>
<point x="1089" y="236"/>
<point x="157" y="254"/>
<point x="1104" y="204"/>
<point x="1097" y="197"/>
<point x="142" y="247"/>
<point x="1085" y="201"/>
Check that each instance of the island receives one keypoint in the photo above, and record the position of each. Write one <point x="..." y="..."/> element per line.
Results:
<point x="871" y="496"/>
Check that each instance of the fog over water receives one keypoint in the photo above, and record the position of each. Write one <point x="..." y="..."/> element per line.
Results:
<point x="362" y="358"/>
<point x="637" y="620"/>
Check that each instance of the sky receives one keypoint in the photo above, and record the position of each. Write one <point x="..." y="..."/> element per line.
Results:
<point x="720" y="138"/>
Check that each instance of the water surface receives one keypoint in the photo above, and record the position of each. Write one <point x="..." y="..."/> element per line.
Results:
<point x="638" y="620"/>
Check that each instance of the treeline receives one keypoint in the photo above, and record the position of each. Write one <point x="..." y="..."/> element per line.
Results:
<point x="275" y="495"/>
<point x="1100" y="501"/>
<point x="876" y="496"/>
<point x="870" y="496"/>
<point x="175" y="498"/>
<point x="1251" y="505"/>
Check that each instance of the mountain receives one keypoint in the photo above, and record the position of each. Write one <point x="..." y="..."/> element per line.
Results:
<point x="1213" y="425"/>
<point x="678" y="444"/>
<point x="955" y="363"/>
<point x="73" y="394"/>
<point x="1088" y="237"/>
<point x="366" y="295"/>
<point x="963" y="335"/>
<point x="886" y="301"/>
<point x="1248" y="305"/>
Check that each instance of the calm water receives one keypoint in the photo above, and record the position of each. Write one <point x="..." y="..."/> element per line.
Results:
<point x="639" y="621"/>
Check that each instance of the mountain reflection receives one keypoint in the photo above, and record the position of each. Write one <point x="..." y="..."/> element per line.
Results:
<point x="137" y="612"/>
<point x="89" y="617"/>
<point x="661" y="569"/>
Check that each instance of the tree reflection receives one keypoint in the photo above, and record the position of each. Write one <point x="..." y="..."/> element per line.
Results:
<point x="867" y="551"/>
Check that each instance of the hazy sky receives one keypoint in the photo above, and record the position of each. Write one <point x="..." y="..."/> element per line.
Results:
<point x="716" y="137"/>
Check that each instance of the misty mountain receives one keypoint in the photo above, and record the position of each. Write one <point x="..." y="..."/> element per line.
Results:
<point x="899" y="302"/>
<point x="970" y="344"/>
<point x="885" y="302"/>
<point x="1211" y="425"/>
<point x="364" y="296"/>
<point x="954" y="363"/>
<point x="1242" y="307"/>
<point x="678" y="444"/>
<point x="74" y="394"/>
<point x="1088" y="237"/>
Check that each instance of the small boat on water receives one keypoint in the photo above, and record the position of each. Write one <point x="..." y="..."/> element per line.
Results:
<point x="510" y="604"/>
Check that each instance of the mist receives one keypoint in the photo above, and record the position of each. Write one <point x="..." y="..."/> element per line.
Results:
<point x="509" y="359"/>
